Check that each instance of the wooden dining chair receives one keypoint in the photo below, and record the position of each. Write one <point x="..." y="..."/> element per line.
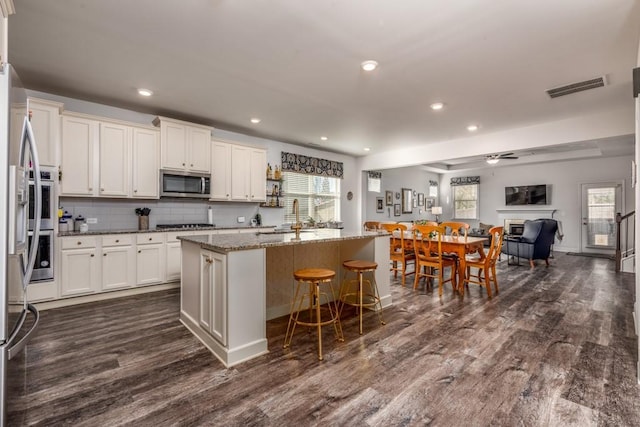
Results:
<point x="427" y="244"/>
<point x="455" y="228"/>
<point x="399" y="255"/>
<point x="371" y="225"/>
<point x="486" y="265"/>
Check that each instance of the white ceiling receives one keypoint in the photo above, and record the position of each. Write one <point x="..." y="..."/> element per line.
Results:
<point x="296" y="64"/>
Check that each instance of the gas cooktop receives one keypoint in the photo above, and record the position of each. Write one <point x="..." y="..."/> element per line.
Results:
<point x="162" y="226"/>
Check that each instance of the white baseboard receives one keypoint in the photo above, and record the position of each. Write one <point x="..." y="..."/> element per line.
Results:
<point x="65" y="302"/>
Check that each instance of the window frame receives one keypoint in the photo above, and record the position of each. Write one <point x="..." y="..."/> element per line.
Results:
<point x="476" y="214"/>
<point x="289" y="195"/>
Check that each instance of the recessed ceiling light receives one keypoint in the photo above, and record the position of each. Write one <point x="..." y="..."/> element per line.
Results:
<point x="324" y="138"/>
<point x="472" y="128"/>
<point x="437" y="106"/>
<point x="367" y="149"/>
<point x="255" y="120"/>
<point x="369" y="65"/>
<point x="144" y="92"/>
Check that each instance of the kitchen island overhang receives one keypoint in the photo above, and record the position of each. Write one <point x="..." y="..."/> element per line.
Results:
<point x="232" y="284"/>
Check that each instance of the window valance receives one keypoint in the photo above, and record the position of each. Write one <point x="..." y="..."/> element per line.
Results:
<point x="433" y="183"/>
<point x="311" y="165"/>
<point x="374" y="174"/>
<point x="465" y="180"/>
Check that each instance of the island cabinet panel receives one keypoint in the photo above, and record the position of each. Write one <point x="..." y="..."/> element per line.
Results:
<point x="213" y="295"/>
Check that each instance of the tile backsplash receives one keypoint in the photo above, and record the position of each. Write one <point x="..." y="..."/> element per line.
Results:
<point x="114" y="214"/>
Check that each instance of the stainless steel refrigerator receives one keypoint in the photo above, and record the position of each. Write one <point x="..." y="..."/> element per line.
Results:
<point x="18" y="156"/>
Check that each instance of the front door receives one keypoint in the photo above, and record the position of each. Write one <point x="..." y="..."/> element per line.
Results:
<point x="600" y="203"/>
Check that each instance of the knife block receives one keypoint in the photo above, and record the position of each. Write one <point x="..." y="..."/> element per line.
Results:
<point x="143" y="222"/>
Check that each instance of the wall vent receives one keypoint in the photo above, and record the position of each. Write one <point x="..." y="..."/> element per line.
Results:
<point x="577" y="87"/>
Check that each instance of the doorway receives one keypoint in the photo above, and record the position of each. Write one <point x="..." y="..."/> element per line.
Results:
<point x="600" y="202"/>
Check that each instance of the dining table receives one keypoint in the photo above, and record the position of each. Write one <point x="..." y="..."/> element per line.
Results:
<point x="459" y="245"/>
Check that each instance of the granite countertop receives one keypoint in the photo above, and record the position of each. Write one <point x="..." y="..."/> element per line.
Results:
<point x="238" y="242"/>
<point x="158" y="230"/>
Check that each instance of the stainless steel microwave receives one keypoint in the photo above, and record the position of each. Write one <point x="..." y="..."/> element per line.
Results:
<point x="184" y="184"/>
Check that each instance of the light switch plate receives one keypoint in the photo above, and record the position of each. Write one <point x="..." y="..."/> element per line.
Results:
<point x="92" y="220"/>
<point x="240" y="219"/>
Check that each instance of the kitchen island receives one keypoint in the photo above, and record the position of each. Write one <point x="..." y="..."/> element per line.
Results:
<point x="232" y="284"/>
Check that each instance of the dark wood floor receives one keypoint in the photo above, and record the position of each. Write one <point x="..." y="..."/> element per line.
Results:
<point x="555" y="347"/>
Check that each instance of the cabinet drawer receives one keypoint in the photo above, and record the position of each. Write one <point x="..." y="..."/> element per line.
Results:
<point x="149" y="238"/>
<point x="119" y="240"/>
<point x="79" y="242"/>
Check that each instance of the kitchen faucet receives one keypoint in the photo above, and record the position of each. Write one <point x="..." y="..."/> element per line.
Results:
<point x="298" y="225"/>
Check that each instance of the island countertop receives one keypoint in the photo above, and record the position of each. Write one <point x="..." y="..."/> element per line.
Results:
<point x="239" y="242"/>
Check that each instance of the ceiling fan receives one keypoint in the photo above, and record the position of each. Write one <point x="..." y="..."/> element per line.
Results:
<point x="492" y="159"/>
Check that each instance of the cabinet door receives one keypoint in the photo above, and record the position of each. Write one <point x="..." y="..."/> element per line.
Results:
<point x="118" y="267"/>
<point x="146" y="163"/>
<point x="258" y="175"/>
<point x="213" y="295"/>
<point x="174" y="258"/>
<point x="45" y="120"/>
<point x="77" y="162"/>
<point x="199" y="144"/>
<point x="220" y="171"/>
<point x="79" y="272"/>
<point x="240" y="178"/>
<point x="150" y="264"/>
<point x="115" y="163"/>
<point x="174" y="145"/>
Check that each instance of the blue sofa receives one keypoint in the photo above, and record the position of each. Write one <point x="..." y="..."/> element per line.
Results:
<point x="535" y="241"/>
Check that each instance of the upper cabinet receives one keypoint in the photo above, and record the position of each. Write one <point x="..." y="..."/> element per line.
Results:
<point x="108" y="158"/>
<point x="238" y="172"/>
<point x="78" y="156"/>
<point x="45" y="121"/>
<point x="184" y="146"/>
<point x="146" y="163"/>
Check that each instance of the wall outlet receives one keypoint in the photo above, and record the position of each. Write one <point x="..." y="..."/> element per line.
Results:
<point x="240" y="219"/>
<point x="92" y="220"/>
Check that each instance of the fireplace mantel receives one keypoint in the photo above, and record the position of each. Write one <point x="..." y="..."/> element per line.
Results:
<point x="526" y="209"/>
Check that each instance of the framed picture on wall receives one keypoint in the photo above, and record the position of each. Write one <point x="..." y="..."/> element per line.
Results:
<point x="420" y="199"/>
<point x="430" y="202"/>
<point x="389" y="198"/>
<point x="396" y="209"/>
<point x="379" y="204"/>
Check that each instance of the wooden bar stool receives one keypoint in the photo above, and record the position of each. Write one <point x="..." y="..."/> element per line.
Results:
<point x="314" y="277"/>
<point x="360" y="297"/>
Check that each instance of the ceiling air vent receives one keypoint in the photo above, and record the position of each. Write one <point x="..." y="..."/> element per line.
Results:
<point x="577" y="87"/>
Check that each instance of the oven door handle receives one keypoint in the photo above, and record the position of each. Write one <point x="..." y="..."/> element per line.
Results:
<point x="16" y="348"/>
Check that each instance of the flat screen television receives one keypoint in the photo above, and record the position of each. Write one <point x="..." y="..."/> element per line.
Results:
<point x="526" y="195"/>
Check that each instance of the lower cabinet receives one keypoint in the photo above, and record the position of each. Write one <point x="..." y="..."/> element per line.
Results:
<point x="150" y="259"/>
<point x="213" y="295"/>
<point x="118" y="262"/>
<point x="79" y="266"/>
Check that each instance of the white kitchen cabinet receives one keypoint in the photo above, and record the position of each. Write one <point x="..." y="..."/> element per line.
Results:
<point x="184" y="146"/>
<point x="115" y="160"/>
<point x="118" y="262"/>
<point x="78" y="156"/>
<point x="45" y="121"/>
<point x="213" y="295"/>
<point x="150" y="258"/>
<point x="258" y="176"/>
<point x="79" y="266"/>
<point x="220" y="170"/>
<point x="145" y="163"/>
<point x="248" y="173"/>
<point x="173" y="254"/>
